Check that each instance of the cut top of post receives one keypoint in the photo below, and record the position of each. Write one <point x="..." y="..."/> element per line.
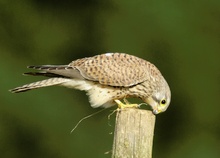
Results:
<point x="134" y="130"/>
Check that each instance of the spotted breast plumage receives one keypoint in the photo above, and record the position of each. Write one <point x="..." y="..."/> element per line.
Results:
<point x="107" y="78"/>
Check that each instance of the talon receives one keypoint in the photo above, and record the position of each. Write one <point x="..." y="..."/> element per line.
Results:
<point x="126" y="105"/>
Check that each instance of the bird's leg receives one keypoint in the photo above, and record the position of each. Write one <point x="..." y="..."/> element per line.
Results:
<point x="126" y="105"/>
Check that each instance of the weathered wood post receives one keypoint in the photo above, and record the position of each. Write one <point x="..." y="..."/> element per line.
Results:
<point x="133" y="136"/>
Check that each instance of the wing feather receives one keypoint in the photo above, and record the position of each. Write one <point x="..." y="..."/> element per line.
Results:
<point x="114" y="69"/>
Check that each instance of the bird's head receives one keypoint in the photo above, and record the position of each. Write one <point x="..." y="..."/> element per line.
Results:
<point x="160" y="99"/>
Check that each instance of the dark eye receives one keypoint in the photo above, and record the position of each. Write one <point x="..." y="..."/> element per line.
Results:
<point x="163" y="101"/>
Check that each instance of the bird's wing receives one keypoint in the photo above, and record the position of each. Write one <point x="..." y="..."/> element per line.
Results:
<point x="114" y="69"/>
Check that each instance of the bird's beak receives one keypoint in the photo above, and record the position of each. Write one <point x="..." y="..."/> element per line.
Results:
<point x="154" y="105"/>
<point x="157" y="111"/>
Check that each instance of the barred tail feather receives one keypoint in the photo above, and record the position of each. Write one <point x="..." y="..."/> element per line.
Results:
<point x="39" y="84"/>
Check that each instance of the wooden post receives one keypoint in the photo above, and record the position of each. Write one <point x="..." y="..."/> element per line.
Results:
<point x="133" y="136"/>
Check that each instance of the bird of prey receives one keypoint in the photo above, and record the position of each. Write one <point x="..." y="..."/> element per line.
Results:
<point x="107" y="79"/>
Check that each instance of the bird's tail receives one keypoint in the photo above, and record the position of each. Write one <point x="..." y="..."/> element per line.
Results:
<point x="39" y="84"/>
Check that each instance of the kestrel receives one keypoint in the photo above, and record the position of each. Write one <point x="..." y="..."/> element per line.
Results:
<point x="107" y="78"/>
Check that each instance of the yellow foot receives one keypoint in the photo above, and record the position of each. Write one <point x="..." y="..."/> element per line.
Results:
<point x="126" y="105"/>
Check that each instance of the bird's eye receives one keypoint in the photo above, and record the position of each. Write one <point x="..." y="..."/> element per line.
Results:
<point x="163" y="102"/>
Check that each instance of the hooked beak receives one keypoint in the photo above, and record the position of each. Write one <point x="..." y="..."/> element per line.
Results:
<point x="154" y="105"/>
<point x="157" y="111"/>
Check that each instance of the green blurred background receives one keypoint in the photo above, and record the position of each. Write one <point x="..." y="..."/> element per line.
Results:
<point x="182" y="38"/>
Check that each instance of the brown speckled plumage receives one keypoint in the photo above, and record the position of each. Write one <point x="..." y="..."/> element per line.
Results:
<point x="106" y="77"/>
<point x="115" y="69"/>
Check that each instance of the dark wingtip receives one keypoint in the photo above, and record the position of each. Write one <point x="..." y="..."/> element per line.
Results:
<point x="26" y="74"/>
<point x="30" y="67"/>
<point x="30" y="74"/>
<point x="34" y="67"/>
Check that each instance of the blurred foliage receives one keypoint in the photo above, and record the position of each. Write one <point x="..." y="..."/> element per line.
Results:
<point x="181" y="37"/>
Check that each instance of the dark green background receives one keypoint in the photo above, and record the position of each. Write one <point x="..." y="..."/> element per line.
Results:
<point x="182" y="38"/>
